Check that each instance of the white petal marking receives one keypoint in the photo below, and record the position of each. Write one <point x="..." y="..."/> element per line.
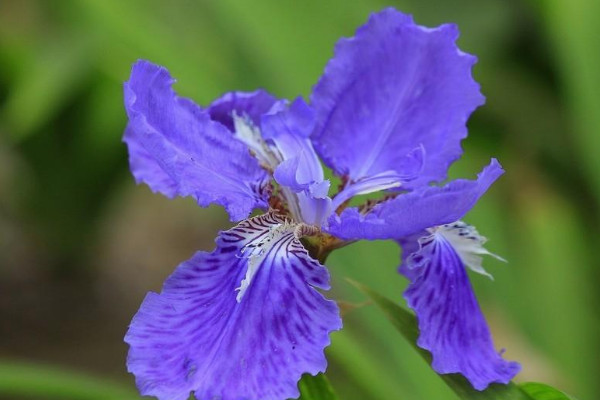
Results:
<point x="468" y="243"/>
<point x="259" y="248"/>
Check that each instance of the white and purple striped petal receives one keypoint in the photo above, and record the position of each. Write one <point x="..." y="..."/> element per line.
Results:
<point x="451" y="324"/>
<point x="178" y="150"/>
<point x="393" y="87"/>
<point x="415" y="211"/>
<point x="243" y="322"/>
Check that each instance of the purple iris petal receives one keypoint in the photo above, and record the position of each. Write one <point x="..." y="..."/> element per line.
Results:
<point x="242" y="322"/>
<point x="315" y="204"/>
<point x="410" y="246"/>
<point x="250" y="104"/>
<point x="391" y="88"/>
<point x="383" y="180"/>
<point x="451" y="324"/>
<point x="289" y="130"/>
<point x="414" y="211"/>
<point x="176" y="149"/>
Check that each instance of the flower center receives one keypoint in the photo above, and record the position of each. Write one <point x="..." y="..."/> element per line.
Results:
<point x="265" y="246"/>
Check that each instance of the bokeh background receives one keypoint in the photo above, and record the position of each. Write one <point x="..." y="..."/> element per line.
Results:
<point x="81" y="244"/>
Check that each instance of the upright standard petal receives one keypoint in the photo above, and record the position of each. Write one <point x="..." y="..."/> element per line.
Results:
<point x="300" y="172"/>
<point x="393" y="87"/>
<point x="415" y="211"/>
<point x="177" y="150"/>
<point x="289" y="130"/>
<point x="451" y="324"/>
<point x="242" y="322"/>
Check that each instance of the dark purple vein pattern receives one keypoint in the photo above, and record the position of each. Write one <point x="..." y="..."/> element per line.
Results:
<point x="451" y="324"/>
<point x="195" y="336"/>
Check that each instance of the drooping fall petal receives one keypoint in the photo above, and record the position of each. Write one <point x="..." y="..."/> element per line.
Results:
<point x="242" y="322"/>
<point x="451" y="324"/>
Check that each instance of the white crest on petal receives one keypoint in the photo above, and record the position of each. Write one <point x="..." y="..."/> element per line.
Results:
<point x="257" y="250"/>
<point x="468" y="243"/>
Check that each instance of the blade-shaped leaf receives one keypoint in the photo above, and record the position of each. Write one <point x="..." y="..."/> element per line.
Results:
<point x="406" y="323"/>
<point x="24" y="380"/>
<point x="540" y="391"/>
<point x="315" y="388"/>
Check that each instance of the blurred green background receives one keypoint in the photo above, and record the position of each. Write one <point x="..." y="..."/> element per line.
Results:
<point x="81" y="244"/>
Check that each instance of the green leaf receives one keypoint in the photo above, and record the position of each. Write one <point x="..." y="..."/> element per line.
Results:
<point x="573" y="29"/>
<point x="540" y="391"/>
<point x="406" y="323"/>
<point x="315" y="388"/>
<point x="19" y="379"/>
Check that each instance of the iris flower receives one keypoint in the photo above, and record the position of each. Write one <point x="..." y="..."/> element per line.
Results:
<point x="247" y="320"/>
